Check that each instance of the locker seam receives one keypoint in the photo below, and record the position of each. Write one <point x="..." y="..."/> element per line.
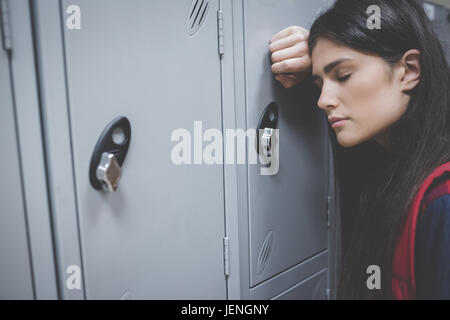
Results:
<point x="231" y="84"/>
<point x="225" y="255"/>
<point x="44" y="146"/>
<point x="80" y="246"/>
<point x="246" y="125"/>
<point x="22" y="182"/>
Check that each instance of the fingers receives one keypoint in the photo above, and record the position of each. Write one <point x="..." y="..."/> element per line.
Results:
<point x="287" y="32"/>
<point x="287" y="42"/>
<point x="293" y="65"/>
<point x="296" y="51"/>
<point x="290" y="55"/>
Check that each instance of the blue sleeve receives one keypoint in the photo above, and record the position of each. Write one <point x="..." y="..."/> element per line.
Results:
<point x="432" y="251"/>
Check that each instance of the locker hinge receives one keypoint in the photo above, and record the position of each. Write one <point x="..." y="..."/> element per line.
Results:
<point x="328" y="217"/>
<point x="220" y="32"/>
<point x="5" y="25"/>
<point x="226" y="256"/>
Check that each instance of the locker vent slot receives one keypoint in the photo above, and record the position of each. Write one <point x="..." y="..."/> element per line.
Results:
<point x="197" y="15"/>
<point x="264" y="253"/>
<point x="320" y="291"/>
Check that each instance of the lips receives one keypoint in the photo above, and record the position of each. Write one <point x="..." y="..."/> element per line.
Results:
<point x="334" y="119"/>
<point x="337" y="122"/>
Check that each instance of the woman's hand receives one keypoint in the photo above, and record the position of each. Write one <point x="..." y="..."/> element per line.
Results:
<point x="290" y="55"/>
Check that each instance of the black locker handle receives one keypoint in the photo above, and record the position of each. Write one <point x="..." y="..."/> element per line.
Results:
<point x="109" y="155"/>
<point x="268" y="120"/>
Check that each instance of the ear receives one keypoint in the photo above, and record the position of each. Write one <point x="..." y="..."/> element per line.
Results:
<point x="410" y="64"/>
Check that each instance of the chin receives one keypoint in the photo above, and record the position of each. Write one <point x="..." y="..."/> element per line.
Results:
<point x="345" y="141"/>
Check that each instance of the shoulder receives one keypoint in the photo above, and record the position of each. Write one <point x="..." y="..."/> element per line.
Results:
<point x="432" y="246"/>
<point x="437" y="195"/>
<point x="434" y="217"/>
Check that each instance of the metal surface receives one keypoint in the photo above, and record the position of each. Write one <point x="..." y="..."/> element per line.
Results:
<point x="147" y="238"/>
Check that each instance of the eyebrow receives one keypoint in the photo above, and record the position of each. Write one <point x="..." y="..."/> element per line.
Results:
<point x="330" y="67"/>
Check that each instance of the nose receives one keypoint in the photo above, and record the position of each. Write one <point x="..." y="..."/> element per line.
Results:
<point x="327" y="99"/>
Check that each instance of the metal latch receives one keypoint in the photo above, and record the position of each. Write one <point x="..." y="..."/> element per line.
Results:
<point x="108" y="172"/>
<point x="266" y="141"/>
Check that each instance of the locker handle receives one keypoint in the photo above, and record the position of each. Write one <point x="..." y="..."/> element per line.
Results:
<point x="108" y="171"/>
<point x="109" y="155"/>
<point x="267" y="123"/>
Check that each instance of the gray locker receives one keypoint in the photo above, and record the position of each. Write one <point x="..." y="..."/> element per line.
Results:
<point x="281" y="218"/>
<point x="160" y="235"/>
<point x="440" y="17"/>
<point x="27" y="269"/>
<point x="199" y="231"/>
<point x="15" y="267"/>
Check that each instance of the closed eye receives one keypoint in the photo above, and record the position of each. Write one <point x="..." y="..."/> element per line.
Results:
<point x="344" y="78"/>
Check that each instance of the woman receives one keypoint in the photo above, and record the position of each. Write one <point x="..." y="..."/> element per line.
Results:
<point x="386" y="93"/>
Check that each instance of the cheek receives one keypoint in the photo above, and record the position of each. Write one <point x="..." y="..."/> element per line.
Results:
<point x="383" y="107"/>
<point x="371" y="93"/>
<point x="373" y="104"/>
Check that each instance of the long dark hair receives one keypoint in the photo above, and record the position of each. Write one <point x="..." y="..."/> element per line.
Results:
<point x="377" y="186"/>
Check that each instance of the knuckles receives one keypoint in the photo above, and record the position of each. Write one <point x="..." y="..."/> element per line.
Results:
<point x="291" y="63"/>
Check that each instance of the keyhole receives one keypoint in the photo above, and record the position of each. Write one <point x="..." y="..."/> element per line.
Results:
<point x="271" y="116"/>
<point x="118" y="136"/>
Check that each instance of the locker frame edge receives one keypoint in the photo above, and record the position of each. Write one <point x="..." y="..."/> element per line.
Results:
<point x="27" y="105"/>
<point x="233" y="85"/>
<point x="50" y="51"/>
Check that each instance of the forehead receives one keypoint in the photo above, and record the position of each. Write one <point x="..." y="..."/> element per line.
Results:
<point x="327" y="51"/>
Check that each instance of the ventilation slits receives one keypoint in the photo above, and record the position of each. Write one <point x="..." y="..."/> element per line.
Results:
<point x="264" y="253"/>
<point x="197" y="15"/>
<point x="193" y="10"/>
<point x="203" y="13"/>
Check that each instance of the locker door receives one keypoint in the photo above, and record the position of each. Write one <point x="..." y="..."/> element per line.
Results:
<point x="440" y="17"/>
<point x="160" y="235"/>
<point x="15" y="265"/>
<point x="287" y="211"/>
